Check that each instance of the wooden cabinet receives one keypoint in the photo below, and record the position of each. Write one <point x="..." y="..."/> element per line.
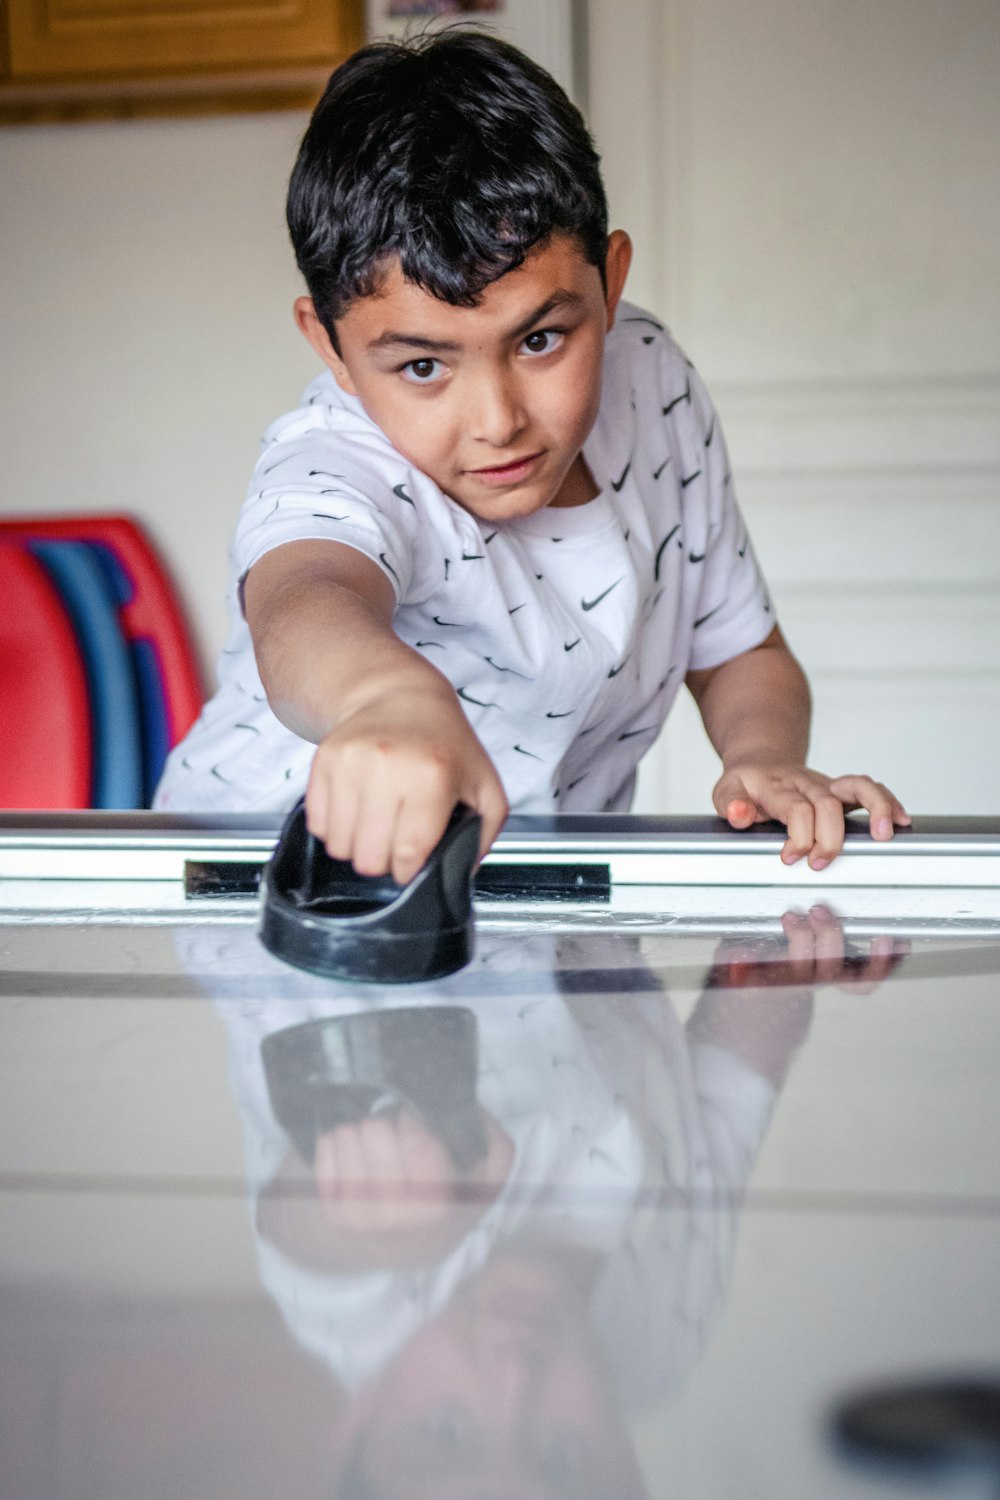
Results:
<point x="65" y="59"/>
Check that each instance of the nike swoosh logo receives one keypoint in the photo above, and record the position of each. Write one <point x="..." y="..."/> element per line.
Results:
<point x="571" y="644"/>
<point x="516" y="608"/>
<point x="513" y="670"/>
<point x="711" y="612"/>
<point x="711" y="434"/>
<point x="588" y="604"/>
<point x="472" y="556"/>
<point x="387" y="564"/>
<point x="521" y="751"/>
<point x="561" y="716"/>
<point x="398" y="489"/>
<point x="659" y="551"/>
<point x="324" y="474"/>
<point x="488" y="539"/>
<point x="466" y="698"/>
<point x="422" y="645"/>
<point x="324" y="515"/>
<point x="743" y="550"/>
<point x="659" y="471"/>
<point x="451" y="624"/>
<point x="690" y="479"/>
<point x="577" y="781"/>
<point x="616" y="484"/>
<point x="630" y="734"/>
<point x="677" y="400"/>
<point x="697" y="556"/>
<point x="615" y="670"/>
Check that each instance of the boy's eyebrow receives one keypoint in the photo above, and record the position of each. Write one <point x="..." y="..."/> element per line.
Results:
<point x="560" y="299"/>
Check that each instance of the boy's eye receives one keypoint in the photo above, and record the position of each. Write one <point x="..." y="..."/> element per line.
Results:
<point x="422" y="371"/>
<point x="542" y="342"/>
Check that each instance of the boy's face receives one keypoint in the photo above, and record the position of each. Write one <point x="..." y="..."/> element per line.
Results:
<point x="493" y="402"/>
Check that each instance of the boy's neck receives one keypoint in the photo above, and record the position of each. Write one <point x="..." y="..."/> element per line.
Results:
<point x="578" y="488"/>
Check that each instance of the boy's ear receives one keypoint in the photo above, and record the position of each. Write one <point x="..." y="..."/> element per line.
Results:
<point x="312" y="330"/>
<point x="616" y="270"/>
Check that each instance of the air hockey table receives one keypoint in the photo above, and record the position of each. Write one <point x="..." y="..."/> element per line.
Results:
<point x="687" y="1185"/>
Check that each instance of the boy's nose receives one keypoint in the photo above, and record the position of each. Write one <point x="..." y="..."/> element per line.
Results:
<point x="498" y="415"/>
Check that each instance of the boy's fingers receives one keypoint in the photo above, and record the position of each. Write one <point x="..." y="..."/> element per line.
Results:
<point x="741" y="812"/>
<point x="885" y="812"/>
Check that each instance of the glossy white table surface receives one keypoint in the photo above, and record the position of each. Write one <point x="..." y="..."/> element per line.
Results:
<point x="624" y="1208"/>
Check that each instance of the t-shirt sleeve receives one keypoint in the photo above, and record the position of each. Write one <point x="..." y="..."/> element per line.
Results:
<point x="733" y="612"/>
<point x="312" y="482"/>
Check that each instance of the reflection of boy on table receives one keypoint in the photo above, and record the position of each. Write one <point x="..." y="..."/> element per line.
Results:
<point x="497" y="1319"/>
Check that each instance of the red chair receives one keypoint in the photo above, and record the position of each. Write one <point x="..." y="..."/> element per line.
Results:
<point x="45" y="726"/>
<point x="169" y="680"/>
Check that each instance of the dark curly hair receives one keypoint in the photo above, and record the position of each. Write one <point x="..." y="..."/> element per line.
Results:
<point x="454" y="153"/>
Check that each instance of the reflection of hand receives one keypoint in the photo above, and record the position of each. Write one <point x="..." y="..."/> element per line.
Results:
<point x="814" y="951"/>
<point x="385" y="1172"/>
<point x="740" y="1009"/>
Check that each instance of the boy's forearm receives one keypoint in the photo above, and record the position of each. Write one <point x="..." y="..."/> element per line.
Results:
<point x="324" y="651"/>
<point x="756" y="707"/>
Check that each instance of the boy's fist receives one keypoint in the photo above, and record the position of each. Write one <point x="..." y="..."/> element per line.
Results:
<point x="385" y="781"/>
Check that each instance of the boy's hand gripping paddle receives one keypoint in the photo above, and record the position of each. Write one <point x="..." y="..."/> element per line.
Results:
<point x="320" y="914"/>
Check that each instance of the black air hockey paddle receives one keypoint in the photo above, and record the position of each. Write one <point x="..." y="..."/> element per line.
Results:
<point x="320" y="914"/>
<point x="933" y="1428"/>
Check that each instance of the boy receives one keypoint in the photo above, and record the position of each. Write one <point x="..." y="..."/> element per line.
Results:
<point x="479" y="560"/>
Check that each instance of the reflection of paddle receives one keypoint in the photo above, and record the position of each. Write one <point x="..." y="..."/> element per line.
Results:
<point x="929" y="1427"/>
<point x="342" y="1069"/>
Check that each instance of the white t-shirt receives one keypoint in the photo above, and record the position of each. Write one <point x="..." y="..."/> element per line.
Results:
<point x="566" y="633"/>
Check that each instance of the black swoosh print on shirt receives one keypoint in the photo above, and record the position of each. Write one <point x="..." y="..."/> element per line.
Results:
<point x="711" y="432"/>
<point x="451" y="624"/>
<point x="630" y="734"/>
<point x="325" y="474"/>
<point x="711" y="612"/>
<point x="615" y="670"/>
<point x="588" y="604"/>
<point x="398" y="489"/>
<point x="473" y="556"/>
<point x="616" y="484"/>
<point x="677" y="400"/>
<point x="635" y="318"/>
<point x="567" y="715"/>
<point x="521" y="751"/>
<point x="568" y="646"/>
<point x="697" y="556"/>
<point x="324" y="515"/>
<point x="659" y="471"/>
<point x="467" y="698"/>
<point x="659" y="551"/>
<point x="690" y="479"/>
<point x="387" y="564"/>
<point x="512" y="670"/>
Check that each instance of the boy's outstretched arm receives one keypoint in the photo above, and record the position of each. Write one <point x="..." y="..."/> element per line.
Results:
<point x="394" y="752"/>
<point x="756" y="711"/>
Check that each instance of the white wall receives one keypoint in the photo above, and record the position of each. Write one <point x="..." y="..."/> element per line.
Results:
<point x="145" y="324"/>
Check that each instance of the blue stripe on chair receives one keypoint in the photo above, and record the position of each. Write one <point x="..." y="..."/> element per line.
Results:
<point x="90" y="598"/>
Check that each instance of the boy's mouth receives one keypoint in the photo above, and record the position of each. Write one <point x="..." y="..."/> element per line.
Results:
<point x="512" y="473"/>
